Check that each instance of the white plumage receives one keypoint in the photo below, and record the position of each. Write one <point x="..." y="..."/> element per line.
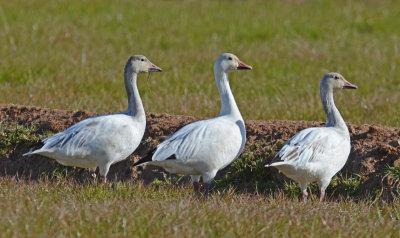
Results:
<point x="103" y="140"/>
<point x="202" y="148"/>
<point x="317" y="154"/>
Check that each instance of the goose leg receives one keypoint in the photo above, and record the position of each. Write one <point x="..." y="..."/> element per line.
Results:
<point x="207" y="179"/>
<point x="196" y="184"/>
<point x="93" y="173"/>
<point x="196" y="188"/>
<point x="303" y="188"/>
<point x="322" y="196"/>
<point x="323" y="184"/>
<point x="206" y="190"/>
<point x="103" y="170"/>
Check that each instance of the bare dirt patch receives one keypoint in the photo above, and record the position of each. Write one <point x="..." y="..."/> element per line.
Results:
<point x="373" y="147"/>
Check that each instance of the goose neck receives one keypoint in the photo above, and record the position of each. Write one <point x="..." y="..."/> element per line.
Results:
<point x="334" y="119"/>
<point x="135" y="105"/>
<point x="228" y="103"/>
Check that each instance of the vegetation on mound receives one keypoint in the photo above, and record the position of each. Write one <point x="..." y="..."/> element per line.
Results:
<point x="13" y="135"/>
<point x="246" y="175"/>
<point x="393" y="175"/>
<point x="393" y="171"/>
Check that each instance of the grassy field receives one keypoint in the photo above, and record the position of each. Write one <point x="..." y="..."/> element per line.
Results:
<point x="71" y="54"/>
<point x="245" y="202"/>
<point x="65" y="209"/>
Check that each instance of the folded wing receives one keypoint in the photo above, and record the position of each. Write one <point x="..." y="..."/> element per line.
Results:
<point x="309" y="145"/>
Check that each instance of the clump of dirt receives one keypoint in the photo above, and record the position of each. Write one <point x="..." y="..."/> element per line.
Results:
<point x="373" y="147"/>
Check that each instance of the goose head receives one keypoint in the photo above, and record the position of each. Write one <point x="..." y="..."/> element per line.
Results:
<point x="335" y="81"/>
<point x="140" y="64"/>
<point x="230" y="62"/>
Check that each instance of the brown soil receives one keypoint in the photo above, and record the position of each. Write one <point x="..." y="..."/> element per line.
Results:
<point x="373" y="147"/>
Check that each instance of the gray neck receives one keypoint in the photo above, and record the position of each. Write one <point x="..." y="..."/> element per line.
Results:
<point x="334" y="119"/>
<point x="135" y="106"/>
<point x="228" y="104"/>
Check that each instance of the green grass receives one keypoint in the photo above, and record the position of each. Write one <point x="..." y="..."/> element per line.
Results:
<point x="64" y="208"/>
<point x="393" y="171"/>
<point x="71" y="54"/>
<point x="393" y="174"/>
<point x="12" y="135"/>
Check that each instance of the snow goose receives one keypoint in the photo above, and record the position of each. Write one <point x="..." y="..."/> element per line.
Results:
<point x="103" y="140"/>
<point x="318" y="153"/>
<point x="202" y="148"/>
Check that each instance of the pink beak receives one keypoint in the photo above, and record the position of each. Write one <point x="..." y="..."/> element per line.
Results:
<point x="154" y="68"/>
<point x="243" y="66"/>
<point x="348" y="85"/>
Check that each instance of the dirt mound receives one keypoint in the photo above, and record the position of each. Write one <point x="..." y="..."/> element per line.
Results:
<point x="373" y="147"/>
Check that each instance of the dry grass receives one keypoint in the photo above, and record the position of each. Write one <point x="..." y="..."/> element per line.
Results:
<point x="62" y="208"/>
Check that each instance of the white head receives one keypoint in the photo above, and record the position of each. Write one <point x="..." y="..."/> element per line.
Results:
<point x="230" y="62"/>
<point x="140" y="64"/>
<point x="335" y="81"/>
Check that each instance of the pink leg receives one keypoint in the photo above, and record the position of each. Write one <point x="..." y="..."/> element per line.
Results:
<point x="303" y="188"/>
<point x="322" y="196"/>
<point x="305" y="196"/>
<point x="196" y="187"/>
<point x="206" y="190"/>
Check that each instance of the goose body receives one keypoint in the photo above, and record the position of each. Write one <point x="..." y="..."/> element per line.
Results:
<point x="202" y="148"/>
<point x="308" y="156"/>
<point x="107" y="139"/>
<point x="97" y="141"/>
<point x="317" y="154"/>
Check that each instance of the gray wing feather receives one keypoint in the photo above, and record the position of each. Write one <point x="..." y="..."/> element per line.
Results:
<point x="308" y="145"/>
<point x="182" y="143"/>
<point x="191" y="140"/>
<point x="74" y="137"/>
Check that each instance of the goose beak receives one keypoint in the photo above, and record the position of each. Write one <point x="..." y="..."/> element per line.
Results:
<point x="154" y="68"/>
<point x="243" y="66"/>
<point x="348" y="85"/>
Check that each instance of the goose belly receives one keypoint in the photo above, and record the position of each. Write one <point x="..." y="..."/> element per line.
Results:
<point x="313" y="171"/>
<point x="75" y="161"/>
<point x="179" y="167"/>
<point x="299" y="174"/>
<point x="211" y="159"/>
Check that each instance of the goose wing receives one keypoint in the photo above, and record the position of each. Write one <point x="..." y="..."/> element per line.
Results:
<point x="202" y="139"/>
<point x="101" y="134"/>
<point x="310" y="145"/>
<point x="76" y="136"/>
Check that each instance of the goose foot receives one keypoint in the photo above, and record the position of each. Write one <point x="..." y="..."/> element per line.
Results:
<point x="104" y="180"/>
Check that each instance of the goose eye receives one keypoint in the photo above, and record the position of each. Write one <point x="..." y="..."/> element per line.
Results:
<point x="336" y="77"/>
<point x="142" y="60"/>
<point x="230" y="58"/>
